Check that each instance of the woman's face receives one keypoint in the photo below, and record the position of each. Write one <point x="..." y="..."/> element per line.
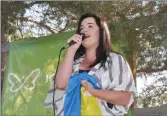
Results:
<point x="91" y="31"/>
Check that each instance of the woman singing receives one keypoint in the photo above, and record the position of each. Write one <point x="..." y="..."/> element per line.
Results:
<point x="95" y="56"/>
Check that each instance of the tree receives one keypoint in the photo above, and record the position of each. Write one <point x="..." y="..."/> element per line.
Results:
<point x="154" y="94"/>
<point x="138" y="28"/>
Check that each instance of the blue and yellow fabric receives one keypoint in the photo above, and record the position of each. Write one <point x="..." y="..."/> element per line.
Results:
<point x="76" y="101"/>
<point x="89" y="105"/>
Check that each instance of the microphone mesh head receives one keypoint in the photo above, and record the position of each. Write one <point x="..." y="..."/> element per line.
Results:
<point x="83" y="36"/>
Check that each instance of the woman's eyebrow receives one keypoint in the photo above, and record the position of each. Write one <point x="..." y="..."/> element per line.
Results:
<point x="87" y="23"/>
<point x="91" y="23"/>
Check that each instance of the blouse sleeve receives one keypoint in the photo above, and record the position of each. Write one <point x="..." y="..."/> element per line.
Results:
<point x="124" y="80"/>
<point x="58" y="97"/>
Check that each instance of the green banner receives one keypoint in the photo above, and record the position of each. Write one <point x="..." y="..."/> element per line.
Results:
<point x="31" y="67"/>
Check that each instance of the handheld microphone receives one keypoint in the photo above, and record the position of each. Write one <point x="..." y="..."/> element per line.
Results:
<point x="73" y="42"/>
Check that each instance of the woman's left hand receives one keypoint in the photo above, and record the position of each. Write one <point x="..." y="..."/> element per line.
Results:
<point x="88" y="86"/>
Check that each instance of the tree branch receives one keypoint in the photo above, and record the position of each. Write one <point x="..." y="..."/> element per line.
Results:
<point x="20" y="30"/>
<point x="62" y="30"/>
<point x="149" y="70"/>
<point x="39" y="23"/>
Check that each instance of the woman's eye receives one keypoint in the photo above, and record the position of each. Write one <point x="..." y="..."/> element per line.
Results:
<point x="90" y="26"/>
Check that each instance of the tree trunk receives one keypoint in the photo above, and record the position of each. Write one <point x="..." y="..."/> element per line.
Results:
<point x="134" y="69"/>
<point x="4" y="55"/>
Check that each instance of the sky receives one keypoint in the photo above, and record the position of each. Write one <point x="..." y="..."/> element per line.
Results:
<point x="142" y="82"/>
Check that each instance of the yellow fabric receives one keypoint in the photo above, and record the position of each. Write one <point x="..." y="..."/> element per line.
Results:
<point x="89" y="105"/>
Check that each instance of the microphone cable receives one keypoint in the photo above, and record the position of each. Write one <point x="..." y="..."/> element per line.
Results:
<point x="54" y="79"/>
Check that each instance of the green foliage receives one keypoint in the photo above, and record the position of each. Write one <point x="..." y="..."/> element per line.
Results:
<point x="137" y="27"/>
<point x="154" y="95"/>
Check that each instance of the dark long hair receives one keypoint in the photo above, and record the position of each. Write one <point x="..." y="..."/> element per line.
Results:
<point x="104" y="47"/>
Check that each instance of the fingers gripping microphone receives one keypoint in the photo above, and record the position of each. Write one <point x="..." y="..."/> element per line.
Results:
<point x="73" y="42"/>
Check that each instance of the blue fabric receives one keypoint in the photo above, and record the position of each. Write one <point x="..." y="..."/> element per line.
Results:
<point x="72" y="103"/>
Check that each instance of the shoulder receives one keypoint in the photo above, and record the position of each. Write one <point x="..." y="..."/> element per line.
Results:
<point x="114" y="56"/>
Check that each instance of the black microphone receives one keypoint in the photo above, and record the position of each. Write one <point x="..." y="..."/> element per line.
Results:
<point x="73" y="42"/>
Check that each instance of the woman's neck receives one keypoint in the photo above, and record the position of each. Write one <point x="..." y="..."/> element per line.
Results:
<point x="90" y="54"/>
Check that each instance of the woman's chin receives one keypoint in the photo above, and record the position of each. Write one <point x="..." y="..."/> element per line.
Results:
<point x="86" y="44"/>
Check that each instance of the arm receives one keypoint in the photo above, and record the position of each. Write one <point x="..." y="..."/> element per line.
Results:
<point x="65" y="69"/>
<point x="114" y="97"/>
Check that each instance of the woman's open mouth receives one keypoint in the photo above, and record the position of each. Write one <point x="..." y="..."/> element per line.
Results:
<point x="86" y="36"/>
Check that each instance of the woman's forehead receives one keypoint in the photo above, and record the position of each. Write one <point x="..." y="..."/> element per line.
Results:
<point x="89" y="20"/>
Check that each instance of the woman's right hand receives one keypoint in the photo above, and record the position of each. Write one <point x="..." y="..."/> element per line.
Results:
<point x="76" y="38"/>
<point x="64" y="71"/>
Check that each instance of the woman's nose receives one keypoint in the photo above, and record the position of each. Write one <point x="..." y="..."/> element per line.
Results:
<point x="84" y="30"/>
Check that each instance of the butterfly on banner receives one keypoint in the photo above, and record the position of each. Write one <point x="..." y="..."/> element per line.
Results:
<point x="27" y="82"/>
